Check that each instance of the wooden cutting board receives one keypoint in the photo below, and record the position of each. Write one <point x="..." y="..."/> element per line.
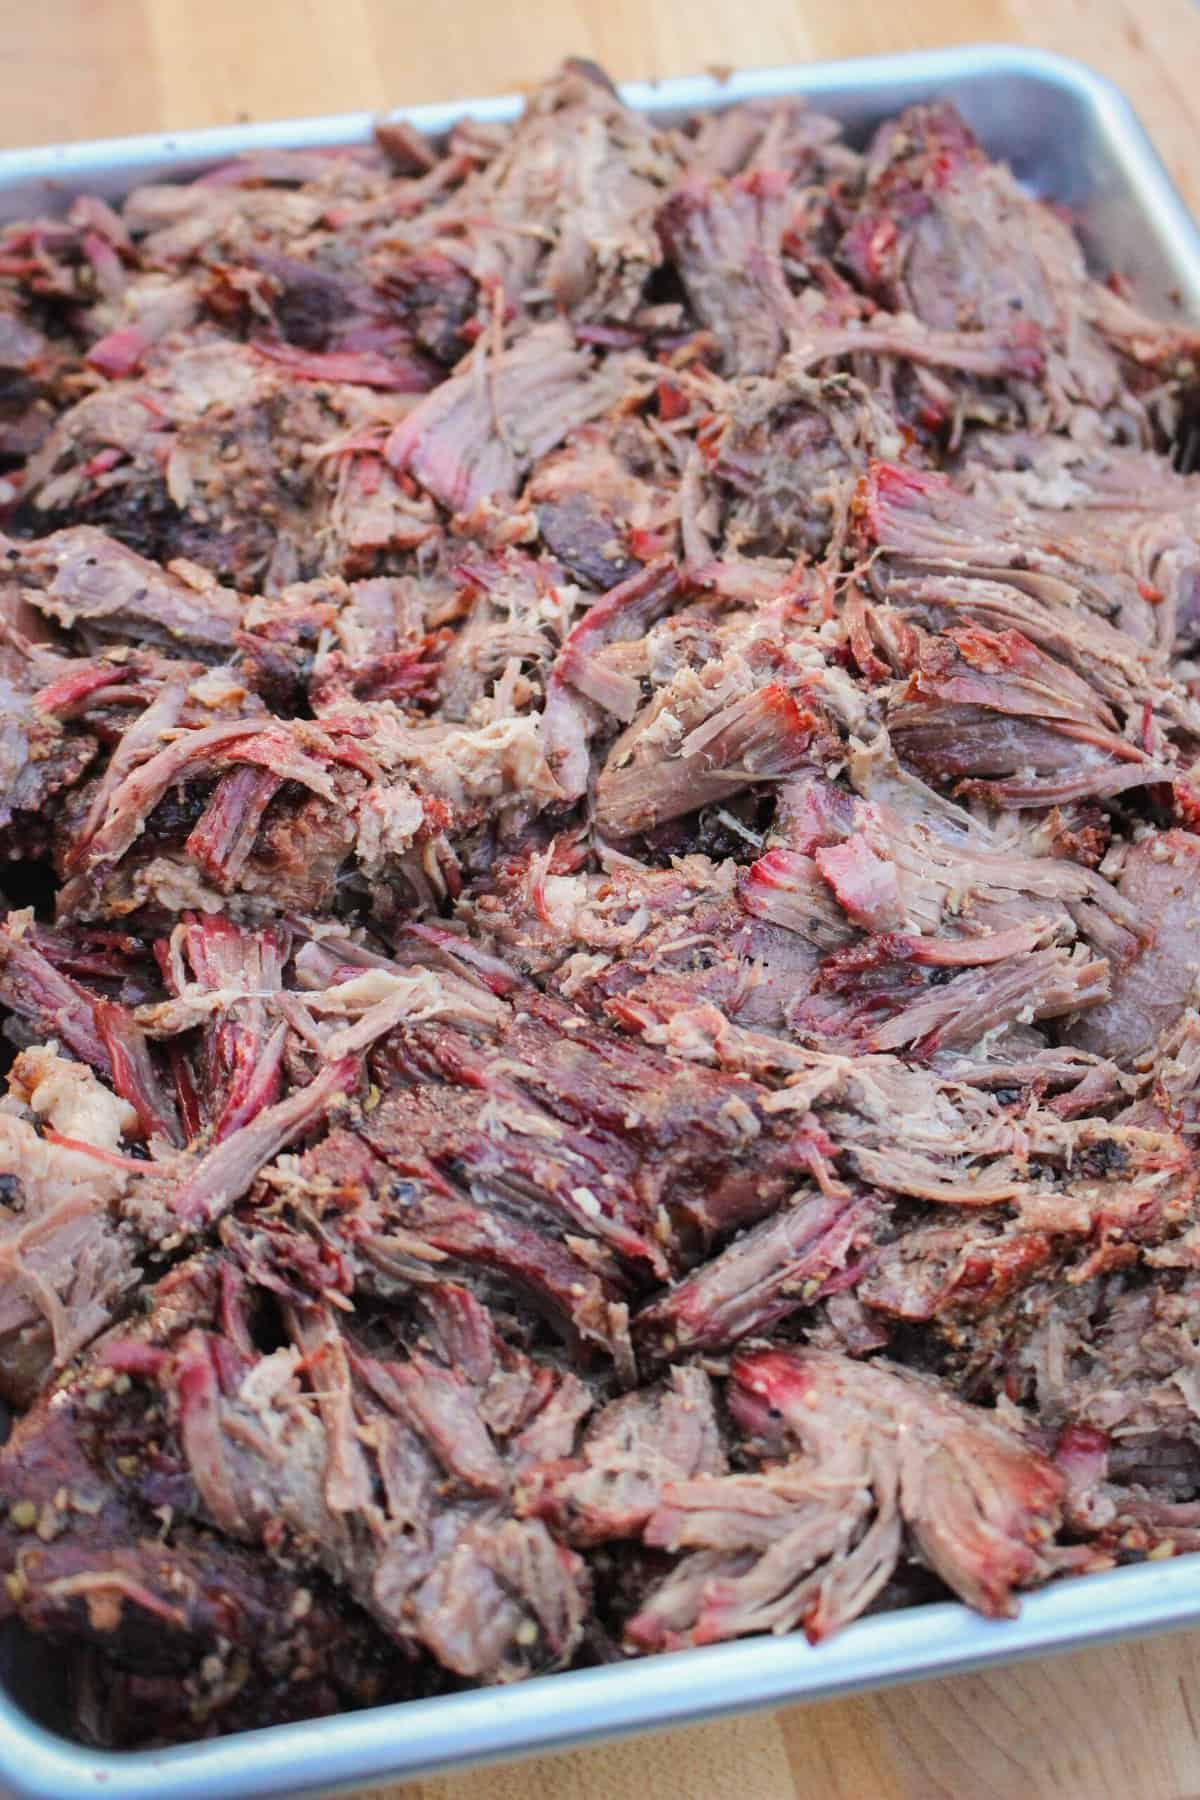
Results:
<point x="1115" y="1724"/>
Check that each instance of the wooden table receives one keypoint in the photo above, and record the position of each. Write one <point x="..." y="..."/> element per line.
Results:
<point x="1122" y="1722"/>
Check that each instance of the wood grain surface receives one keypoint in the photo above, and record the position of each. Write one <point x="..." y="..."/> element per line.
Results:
<point x="1114" y="1724"/>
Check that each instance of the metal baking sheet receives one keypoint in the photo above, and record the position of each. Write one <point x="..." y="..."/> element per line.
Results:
<point x="1070" y="137"/>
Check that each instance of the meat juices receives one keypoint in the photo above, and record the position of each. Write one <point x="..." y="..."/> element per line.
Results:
<point x="602" y="808"/>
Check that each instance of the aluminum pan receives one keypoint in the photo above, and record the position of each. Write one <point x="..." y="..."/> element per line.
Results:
<point x="1071" y="137"/>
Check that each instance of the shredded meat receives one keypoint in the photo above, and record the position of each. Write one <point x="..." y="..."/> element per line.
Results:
<point x="600" y="793"/>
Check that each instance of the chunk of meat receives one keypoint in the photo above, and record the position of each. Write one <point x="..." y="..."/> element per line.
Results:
<point x="628" y="1454"/>
<point x="872" y="1453"/>
<point x="474" y="437"/>
<point x="81" y="577"/>
<point x="726" y="239"/>
<point x="809" y="1249"/>
<point x="1150" y="992"/>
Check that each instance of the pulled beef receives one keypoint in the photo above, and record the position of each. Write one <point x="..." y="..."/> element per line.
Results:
<point x="1152" y="990"/>
<point x="628" y="1453"/>
<point x="600" y="769"/>
<point x="941" y="231"/>
<point x="209" y="1636"/>
<point x="480" y="431"/>
<point x="868" y="1457"/>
